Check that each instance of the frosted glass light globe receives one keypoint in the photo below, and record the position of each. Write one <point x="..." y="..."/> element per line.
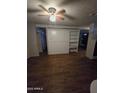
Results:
<point x="52" y="18"/>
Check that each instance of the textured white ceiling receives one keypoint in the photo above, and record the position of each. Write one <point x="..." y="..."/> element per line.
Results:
<point x="79" y="9"/>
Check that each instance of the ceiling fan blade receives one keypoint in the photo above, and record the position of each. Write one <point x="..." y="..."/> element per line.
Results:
<point x="43" y="1"/>
<point x="44" y="8"/>
<point x="60" y="17"/>
<point x="66" y="2"/>
<point x="93" y="14"/>
<point x="61" y="12"/>
<point x="69" y="17"/>
<point x="33" y="10"/>
<point x="42" y="15"/>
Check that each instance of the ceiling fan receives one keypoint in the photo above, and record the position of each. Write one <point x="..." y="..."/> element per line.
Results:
<point x="53" y="13"/>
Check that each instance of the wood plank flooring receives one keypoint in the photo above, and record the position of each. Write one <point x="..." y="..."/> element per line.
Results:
<point x="71" y="73"/>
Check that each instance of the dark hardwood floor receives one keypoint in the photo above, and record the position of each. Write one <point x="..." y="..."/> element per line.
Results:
<point x="71" y="73"/>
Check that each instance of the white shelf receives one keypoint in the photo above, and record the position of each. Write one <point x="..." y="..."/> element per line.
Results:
<point x="73" y="41"/>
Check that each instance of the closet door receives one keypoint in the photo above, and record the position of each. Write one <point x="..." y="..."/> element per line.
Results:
<point x="58" y="41"/>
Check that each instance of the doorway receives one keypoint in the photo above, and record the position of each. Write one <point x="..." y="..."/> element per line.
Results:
<point x="95" y="50"/>
<point x="83" y="38"/>
<point x="42" y="40"/>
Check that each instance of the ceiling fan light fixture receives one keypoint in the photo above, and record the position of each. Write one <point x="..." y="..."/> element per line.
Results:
<point x="52" y="10"/>
<point x="52" y="18"/>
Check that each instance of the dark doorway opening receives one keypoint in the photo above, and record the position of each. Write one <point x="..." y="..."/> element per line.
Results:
<point x="83" y="39"/>
<point x="42" y="36"/>
<point x="95" y="50"/>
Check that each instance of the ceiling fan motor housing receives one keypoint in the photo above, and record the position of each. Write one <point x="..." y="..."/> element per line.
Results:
<point x="52" y="10"/>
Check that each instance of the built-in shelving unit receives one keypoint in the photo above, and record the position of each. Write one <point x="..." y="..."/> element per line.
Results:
<point x="73" y="41"/>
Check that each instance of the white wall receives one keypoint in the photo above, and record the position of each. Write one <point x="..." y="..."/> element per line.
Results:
<point x="32" y="44"/>
<point x="57" y="41"/>
<point x="91" y="43"/>
<point x="90" y="47"/>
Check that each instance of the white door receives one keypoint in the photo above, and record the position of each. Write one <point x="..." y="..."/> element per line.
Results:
<point x="58" y="41"/>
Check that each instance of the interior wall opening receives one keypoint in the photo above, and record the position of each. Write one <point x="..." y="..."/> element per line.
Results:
<point x="42" y="40"/>
<point x="83" y="39"/>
